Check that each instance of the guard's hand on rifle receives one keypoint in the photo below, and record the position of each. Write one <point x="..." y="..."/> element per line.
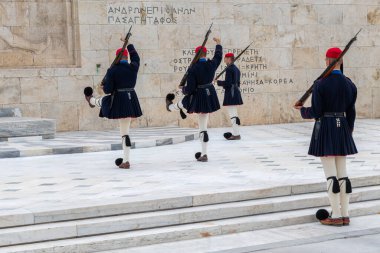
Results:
<point x="217" y="40"/>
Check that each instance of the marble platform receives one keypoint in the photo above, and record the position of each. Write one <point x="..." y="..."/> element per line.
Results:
<point x="94" y="141"/>
<point x="11" y="127"/>
<point x="83" y="203"/>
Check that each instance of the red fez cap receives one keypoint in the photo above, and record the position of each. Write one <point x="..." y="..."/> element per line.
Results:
<point x="125" y="52"/>
<point x="204" y="49"/>
<point x="333" y="52"/>
<point x="229" y="55"/>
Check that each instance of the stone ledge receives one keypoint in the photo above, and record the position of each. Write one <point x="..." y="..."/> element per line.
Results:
<point x="10" y="112"/>
<point x="92" y="141"/>
<point x="21" y="127"/>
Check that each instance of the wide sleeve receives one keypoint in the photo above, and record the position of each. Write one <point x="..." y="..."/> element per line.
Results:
<point x="135" y="58"/>
<point x="191" y="83"/>
<point x="108" y="85"/>
<point x="315" y="111"/>
<point x="218" y="56"/>
<point x="350" y="111"/>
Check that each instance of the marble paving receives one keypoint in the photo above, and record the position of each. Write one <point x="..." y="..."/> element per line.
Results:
<point x="267" y="156"/>
<point x="92" y="141"/>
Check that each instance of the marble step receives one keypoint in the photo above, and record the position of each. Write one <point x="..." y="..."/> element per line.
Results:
<point x="10" y="112"/>
<point x="11" y="127"/>
<point x="23" y="217"/>
<point x="149" y="220"/>
<point x="269" y="240"/>
<point x="138" y="238"/>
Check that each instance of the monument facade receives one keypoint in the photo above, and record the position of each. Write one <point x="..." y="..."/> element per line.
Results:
<point x="51" y="50"/>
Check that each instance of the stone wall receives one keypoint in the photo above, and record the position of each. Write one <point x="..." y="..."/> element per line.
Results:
<point x="71" y="44"/>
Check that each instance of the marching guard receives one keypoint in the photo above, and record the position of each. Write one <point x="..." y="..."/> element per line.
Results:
<point x="333" y="108"/>
<point x="232" y="95"/>
<point x="122" y="103"/>
<point x="200" y="94"/>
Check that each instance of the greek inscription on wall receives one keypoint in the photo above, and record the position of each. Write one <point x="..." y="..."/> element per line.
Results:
<point x="152" y="13"/>
<point x="250" y="65"/>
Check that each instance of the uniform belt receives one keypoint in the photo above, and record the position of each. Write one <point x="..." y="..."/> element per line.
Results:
<point x="334" y="114"/>
<point x="204" y="86"/>
<point x="126" y="90"/>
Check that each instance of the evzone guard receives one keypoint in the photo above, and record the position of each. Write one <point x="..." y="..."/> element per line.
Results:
<point x="200" y="94"/>
<point x="333" y="108"/>
<point x="122" y="103"/>
<point x="232" y="95"/>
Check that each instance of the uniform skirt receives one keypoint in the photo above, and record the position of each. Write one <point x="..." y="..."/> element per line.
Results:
<point x="203" y="100"/>
<point x="125" y="104"/>
<point x="332" y="137"/>
<point x="232" y="96"/>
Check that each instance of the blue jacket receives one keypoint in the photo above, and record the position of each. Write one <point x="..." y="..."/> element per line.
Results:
<point x="232" y="77"/>
<point x="335" y="93"/>
<point x="203" y="72"/>
<point x="122" y="103"/>
<point x="123" y="75"/>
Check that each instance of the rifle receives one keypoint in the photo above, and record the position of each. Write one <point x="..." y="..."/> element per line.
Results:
<point x="116" y="60"/>
<point x="327" y="71"/>
<point x="236" y="58"/>
<point x="195" y="59"/>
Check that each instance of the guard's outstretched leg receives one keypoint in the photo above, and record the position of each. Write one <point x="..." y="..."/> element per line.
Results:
<point x="171" y="106"/>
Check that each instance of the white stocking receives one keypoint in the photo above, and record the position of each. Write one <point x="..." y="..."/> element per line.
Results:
<point x="124" y="131"/>
<point x="340" y="162"/>
<point x="176" y="106"/>
<point x="232" y="111"/>
<point x="202" y="122"/>
<point x="97" y="101"/>
<point x="330" y="171"/>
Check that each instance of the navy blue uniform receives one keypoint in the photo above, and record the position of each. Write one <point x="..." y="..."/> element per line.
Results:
<point x="120" y="81"/>
<point x="200" y="93"/>
<point x="231" y="86"/>
<point x="333" y="107"/>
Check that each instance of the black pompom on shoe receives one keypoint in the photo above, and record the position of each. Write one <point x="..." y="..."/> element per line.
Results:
<point x="197" y="155"/>
<point x="322" y="214"/>
<point x="118" y="161"/>
<point x="227" y="135"/>
<point x="88" y="91"/>
<point x="169" y="100"/>
<point x="170" y="97"/>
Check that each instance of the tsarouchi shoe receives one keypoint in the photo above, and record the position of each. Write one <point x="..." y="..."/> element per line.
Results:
<point x="88" y="91"/>
<point x="346" y="221"/>
<point x="202" y="158"/>
<point x="88" y="100"/>
<point x="125" y="165"/>
<point x="169" y="100"/>
<point x="229" y="136"/>
<point x="332" y="222"/>
<point x="234" y="137"/>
